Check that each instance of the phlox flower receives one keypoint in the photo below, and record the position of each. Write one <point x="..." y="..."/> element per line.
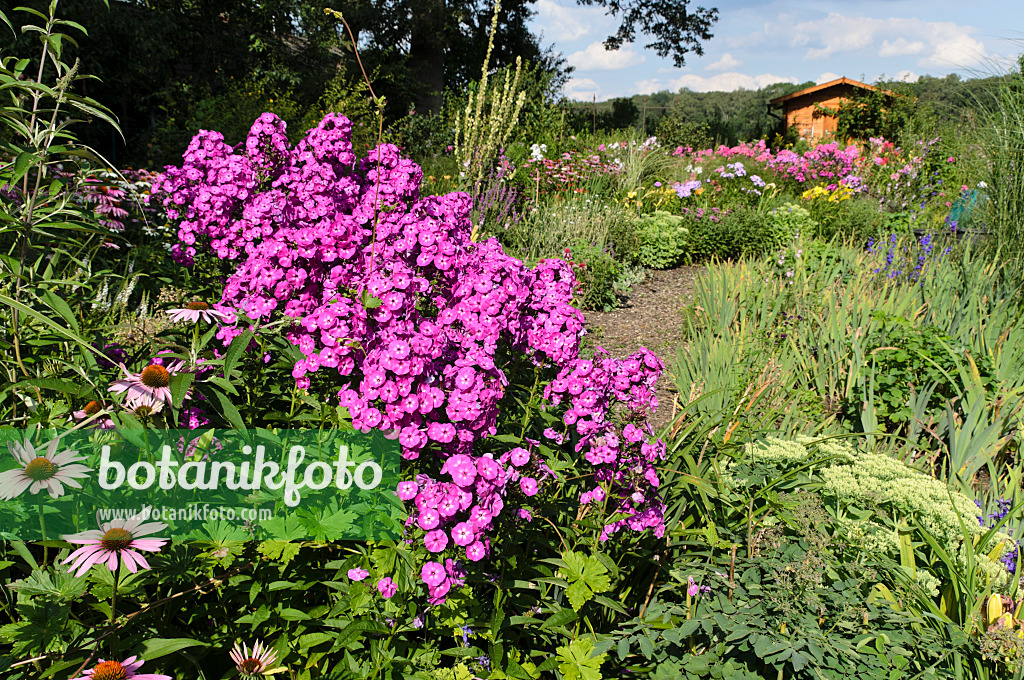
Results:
<point x="116" y="541"/>
<point x="433" y="573"/>
<point x="41" y="470"/>
<point x="120" y="670"/>
<point x="436" y="540"/>
<point x="387" y="588"/>
<point x="476" y="551"/>
<point x="357" y="574"/>
<point x="463" y="534"/>
<point x="528" y="485"/>
<point x="407" y="490"/>
<point x="519" y="456"/>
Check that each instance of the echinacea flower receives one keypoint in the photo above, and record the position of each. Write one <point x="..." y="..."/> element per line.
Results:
<point x="252" y="663"/>
<point x="120" y="670"/>
<point x="41" y="470"/>
<point x="118" y="539"/>
<point x="194" y="311"/>
<point x="151" y="385"/>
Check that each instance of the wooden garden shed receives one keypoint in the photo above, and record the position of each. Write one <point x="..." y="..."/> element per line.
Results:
<point x="799" y="109"/>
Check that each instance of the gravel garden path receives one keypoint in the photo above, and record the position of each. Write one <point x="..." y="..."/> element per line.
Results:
<point x="650" y="316"/>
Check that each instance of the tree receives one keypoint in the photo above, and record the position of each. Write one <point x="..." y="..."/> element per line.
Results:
<point x="677" y="30"/>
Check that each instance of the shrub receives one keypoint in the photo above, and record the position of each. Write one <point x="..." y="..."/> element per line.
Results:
<point x="790" y="220"/>
<point x="738" y="233"/>
<point x="908" y="356"/>
<point x="662" y="239"/>
<point x="596" y="273"/>
<point x="673" y="132"/>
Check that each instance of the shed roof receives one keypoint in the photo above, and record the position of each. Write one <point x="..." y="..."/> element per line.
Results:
<point x="817" y="88"/>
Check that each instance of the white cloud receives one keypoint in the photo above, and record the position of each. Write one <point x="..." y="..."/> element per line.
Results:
<point x="581" y="88"/>
<point x="649" y="86"/>
<point x="597" y="58"/>
<point x="827" y="77"/>
<point x="726" y="63"/>
<point x="936" y="43"/>
<point x="906" y="76"/>
<point x="727" y="82"/>
<point x="567" y="23"/>
<point x="900" y="47"/>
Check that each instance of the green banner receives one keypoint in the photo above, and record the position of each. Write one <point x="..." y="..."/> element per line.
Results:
<point x="212" y="485"/>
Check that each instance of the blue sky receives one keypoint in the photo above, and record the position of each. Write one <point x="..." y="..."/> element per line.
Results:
<point x="761" y="42"/>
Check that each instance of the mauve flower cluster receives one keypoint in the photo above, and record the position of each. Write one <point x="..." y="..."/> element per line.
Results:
<point x="598" y="390"/>
<point x="387" y="288"/>
<point x="825" y="162"/>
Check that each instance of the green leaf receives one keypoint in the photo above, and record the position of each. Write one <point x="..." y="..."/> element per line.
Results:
<point x="58" y="305"/>
<point x="235" y="350"/>
<point x="559" y="618"/>
<point x="586" y="576"/>
<point x="579" y="594"/>
<point x="576" y="663"/>
<point x="229" y="411"/>
<point x="285" y="551"/>
<point x="155" y="648"/>
<point x="21" y="165"/>
<point x="180" y="382"/>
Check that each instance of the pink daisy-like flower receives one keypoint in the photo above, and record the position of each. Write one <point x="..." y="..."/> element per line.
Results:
<point x="118" y="539"/>
<point x="41" y="470"/>
<point x="91" y="409"/>
<point x="194" y="311"/>
<point x="150" y="386"/>
<point x="120" y="670"/>
<point x="252" y="663"/>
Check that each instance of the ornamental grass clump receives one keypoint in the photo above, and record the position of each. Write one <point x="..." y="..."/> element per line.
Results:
<point x="424" y="331"/>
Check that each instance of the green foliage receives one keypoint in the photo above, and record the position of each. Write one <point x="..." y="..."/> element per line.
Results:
<point x="905" y="358"/>
<point x="790" y="219"/>
<point x="847" y="217"/>
<point x="742" y="232"/>
<point x="662" y="239"/>
<point x="673" y="131"/>
<point x="596" y="274"/>
<point x="882" y="112"/>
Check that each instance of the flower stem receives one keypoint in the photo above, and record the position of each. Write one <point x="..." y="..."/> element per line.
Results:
<point x="42" y="524"/>
<point x="113" y="608"/>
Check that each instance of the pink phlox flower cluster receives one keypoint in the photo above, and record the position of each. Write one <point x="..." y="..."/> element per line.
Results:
<point x="388" y="289"/>
<point x="597" y="390"/>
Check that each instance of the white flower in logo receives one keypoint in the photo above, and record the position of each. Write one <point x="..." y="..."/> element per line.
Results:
<point x="41" y="470"/>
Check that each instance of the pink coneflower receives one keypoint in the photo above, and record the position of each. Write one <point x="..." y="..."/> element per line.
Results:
<point x="91" y="409"/>
<point x="149" y="386"/>
<point x="120" y="670"/>
<point x="41" y="470"/>
<point x="194" y="311"/>
<point x="255" y="662"/>
<point x="114" y="540"/>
